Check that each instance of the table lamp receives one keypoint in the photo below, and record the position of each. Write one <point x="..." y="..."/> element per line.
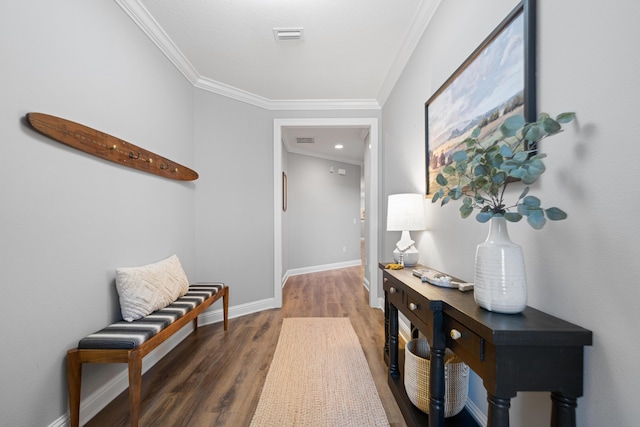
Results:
<point x="405" y="212"/>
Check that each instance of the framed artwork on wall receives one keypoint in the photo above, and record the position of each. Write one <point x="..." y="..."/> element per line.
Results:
<point x="284" y="191"/>
<point x="496" y="81"/>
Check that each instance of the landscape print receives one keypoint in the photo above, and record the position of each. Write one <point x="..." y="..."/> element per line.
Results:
<point x="486" y="90"/>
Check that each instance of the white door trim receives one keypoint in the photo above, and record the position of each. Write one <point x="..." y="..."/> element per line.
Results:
<point x="372" y="192"/>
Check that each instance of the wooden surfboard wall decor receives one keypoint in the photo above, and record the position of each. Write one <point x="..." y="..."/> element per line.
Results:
<point x="108" y="147"/>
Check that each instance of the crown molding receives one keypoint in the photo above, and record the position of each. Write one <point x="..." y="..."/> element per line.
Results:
<point x="284" y="104"/>
<point x="325" y="104"/>
<point x="418" y="26"/>
<point x="143" y="19"/>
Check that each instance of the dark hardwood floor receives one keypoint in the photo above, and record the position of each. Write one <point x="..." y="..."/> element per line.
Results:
<point x="213" y="378"/>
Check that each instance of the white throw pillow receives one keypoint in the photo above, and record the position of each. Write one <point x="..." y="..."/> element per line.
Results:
<point x="145" y="289"/>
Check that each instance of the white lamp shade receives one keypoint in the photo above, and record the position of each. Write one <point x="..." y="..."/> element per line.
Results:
<point x="405" y="212"/>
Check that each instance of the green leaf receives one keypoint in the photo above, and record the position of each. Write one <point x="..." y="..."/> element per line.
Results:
<point x="465" y="210"/>
<point x="518" y="173"/>
<point x="456" y="193"/>
<point x="505" y="151"/>
<point x="435" y="197"/>
<point x="479" y="170"/>
<point x="523" y="210"/>
<point x="484" y="216"/>
<point x="536" y="167"/>
<point x="459" y="156"/>
<point x="551" y="126"/>
<point x="531" y="201"/>
<point x="520" y="156"/>
<point x="507" y="167"/>
<point x="499" y="177"/>
<point x="461" y="168"/>
<point x="493" y="149"/>
<point x="536" y="219"/>
<point x="512" y="216"/>
<point x="565" y="117"/>
<point x="476" y="133"/>
<point x="440" y="179"/>
<point x="445" y="201"/>
<point x="514" y="122"/>
<point x="449" y="170"/>
<point x="480" y="182"/>
<point x="532" y="133"/>
<point x="529" y="178"/>
<point x="538" y="156"/>
<point x="524" y="193"/>
<point x="555" y="214"/>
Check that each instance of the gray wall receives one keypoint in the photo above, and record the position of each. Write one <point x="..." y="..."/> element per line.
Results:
<point x="581" y="269"/>
<point x="69" y="219"/>
<point x="323" y="213"/>
<point x="234" y="218"/>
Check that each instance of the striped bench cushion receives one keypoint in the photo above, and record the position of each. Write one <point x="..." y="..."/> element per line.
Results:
<point x="129" y="335"/>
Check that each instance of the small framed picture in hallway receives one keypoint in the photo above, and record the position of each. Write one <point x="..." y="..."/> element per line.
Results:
<point x="284" y="191"/>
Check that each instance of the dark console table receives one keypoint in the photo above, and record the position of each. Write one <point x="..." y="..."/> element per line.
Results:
<point x="529" y="351"/>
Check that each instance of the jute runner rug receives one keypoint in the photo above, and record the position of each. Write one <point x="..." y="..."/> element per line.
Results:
<point x="319" y="377"/>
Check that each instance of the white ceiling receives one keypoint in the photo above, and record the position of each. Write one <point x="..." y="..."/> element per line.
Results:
<point x="325" y="139"/>
<point x="351" y="54"/>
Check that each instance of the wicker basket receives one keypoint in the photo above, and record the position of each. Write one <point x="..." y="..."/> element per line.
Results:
<point x="416" y="378"/>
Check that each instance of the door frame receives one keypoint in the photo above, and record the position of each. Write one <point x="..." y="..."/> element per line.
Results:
<point x="371" y="201"/>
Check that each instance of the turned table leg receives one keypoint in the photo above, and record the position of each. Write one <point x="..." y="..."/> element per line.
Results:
<point x="498" y="411"/>
<point x="394" y="369"/>
<point x="563" y="410"/>
<point x="436" y="387"/>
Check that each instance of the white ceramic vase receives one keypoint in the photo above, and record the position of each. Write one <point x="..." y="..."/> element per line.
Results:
<point x="500" y="283"/>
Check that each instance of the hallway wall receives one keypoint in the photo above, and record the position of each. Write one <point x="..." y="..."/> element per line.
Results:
<point x="581" y="269"/>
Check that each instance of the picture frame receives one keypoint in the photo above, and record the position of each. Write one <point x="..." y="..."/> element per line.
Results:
<point x="497" y="80"/>
<point x="284" y="192"/>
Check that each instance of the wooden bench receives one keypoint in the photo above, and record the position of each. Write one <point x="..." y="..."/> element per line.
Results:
<point x="129" y="342"/>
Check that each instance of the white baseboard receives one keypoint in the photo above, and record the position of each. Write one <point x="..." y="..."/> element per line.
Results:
<point x="476" y="413"/>
<point x="214" y="316"/>
<point x="325" y="267"/>
<point x="100" y="398"/>
<point x="96" y="401"/>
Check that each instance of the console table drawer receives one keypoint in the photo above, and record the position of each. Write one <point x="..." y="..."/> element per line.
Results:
<point x="420" y="309"/>
<point x="463" y="341"/>
<point x="395" y="293"/>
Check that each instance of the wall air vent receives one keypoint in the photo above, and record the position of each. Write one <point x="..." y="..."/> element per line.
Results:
<point x="282" y="34"/>
<point x="305" y="140"/>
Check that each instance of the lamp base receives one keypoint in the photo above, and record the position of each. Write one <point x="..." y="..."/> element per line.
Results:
<point x="408" y="258"/>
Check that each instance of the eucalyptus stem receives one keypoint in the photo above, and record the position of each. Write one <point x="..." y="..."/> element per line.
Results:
<point x="483" y="173"/>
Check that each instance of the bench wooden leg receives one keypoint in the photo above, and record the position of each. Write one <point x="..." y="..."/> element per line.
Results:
<point x="135" y="386"/>
<point x="74" y="375"/>
<point x="225" y="307"/>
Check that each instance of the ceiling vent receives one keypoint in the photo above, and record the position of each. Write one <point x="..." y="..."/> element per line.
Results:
<point x="282" y="34"/>
<point x="305" y="140"/>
